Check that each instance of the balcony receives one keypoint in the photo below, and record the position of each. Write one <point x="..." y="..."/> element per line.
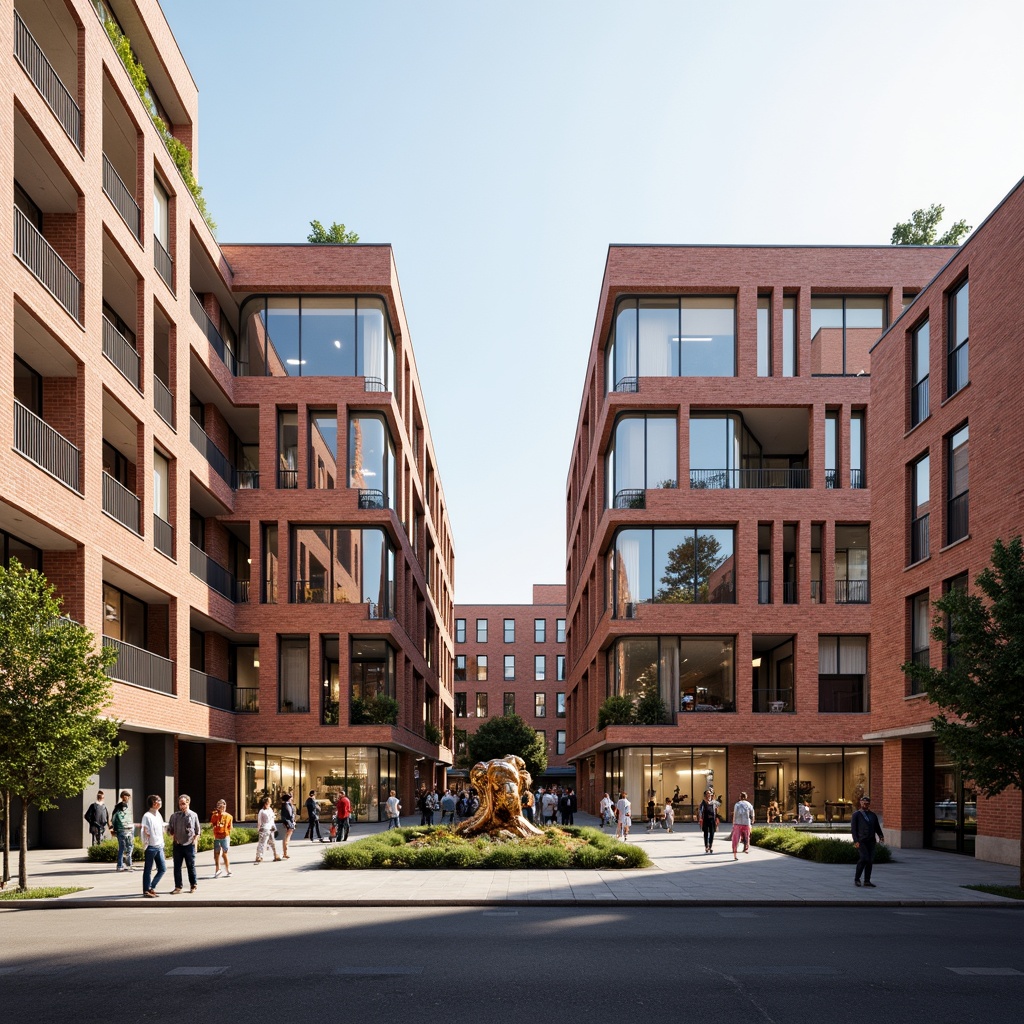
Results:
<point x="758" y="478"/>
<point x="627" y="385"/>
<point x="163" y="536"/>
<point x="773" y="701"/>
<point x="31" y="57"/>
<point x="789" y="591"/>
<point x="119" y="351"/>
<point x="247" y="479"/>
<point x="816" y="592"/>
<point x="287" y="479"/>
<point x="219" y="462"/>
<point x="211" y="691"/>
<point x="764" y="591"/>
<point x="120" y="195"/>
<point x="119" y="503"/>
<point x="831" y="479"/>
<point x="858" y="479"/>
<point x="373" y="384"/>
<point x="919" y="402"/>
<point x="957" y="519"/>
<point x="163" y="263"/>
<point x="370" y="498"/>
<point x="140" y="667"/>
<point x="216" y="577"/>
<point x="41" y="258"/>
<point x="632" y="498"/>
<point x="50" y="451"/>
<point x="213" y="336"/>
<point x="247" y="700"/>
<point x="919" y="538"/>
<point x="163" y="402"/>
<point x="852" y="592"/>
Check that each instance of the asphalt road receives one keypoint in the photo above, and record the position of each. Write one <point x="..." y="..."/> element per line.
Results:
<point x="503" y="965"/>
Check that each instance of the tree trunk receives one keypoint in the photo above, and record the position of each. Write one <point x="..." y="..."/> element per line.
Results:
<point x="5" y="876"/>
<point x="23" y="859"/>
<point x="1020" y="880"/>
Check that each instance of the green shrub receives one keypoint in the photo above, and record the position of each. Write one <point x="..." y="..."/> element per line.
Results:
<point x="616" y="710"/>
<point x="817" y="848"/>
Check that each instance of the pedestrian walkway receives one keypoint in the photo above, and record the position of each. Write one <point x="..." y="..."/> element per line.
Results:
<point x="682" y="874"/>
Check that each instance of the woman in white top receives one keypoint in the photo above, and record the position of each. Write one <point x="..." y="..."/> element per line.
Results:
<point x="670" y="815"/>
<point x="625" y="817"/>
<point x="152" y="835"/>
<point x="267" y="830"/>
<point x="606" y="810"/>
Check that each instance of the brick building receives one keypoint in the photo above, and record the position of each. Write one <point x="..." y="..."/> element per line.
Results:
<point x="219" y="454"/>
<point x="510" y="659"/>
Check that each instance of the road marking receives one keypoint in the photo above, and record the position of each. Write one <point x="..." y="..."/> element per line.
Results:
<point x="987" y="971"/>
<point x="197" y="970"/>
<point x="377" y="972"/>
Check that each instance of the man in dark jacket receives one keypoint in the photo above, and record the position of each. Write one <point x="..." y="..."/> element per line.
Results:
<point x="98" y="817"/>
<point x="864" y="826"/>
<point x="313" y="813"/>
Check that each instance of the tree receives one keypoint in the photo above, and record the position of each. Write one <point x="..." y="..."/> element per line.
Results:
<point x="689" y="568"/>
<point x="981" y="691"/>
<point x="509" y="734"/>
<point x="922" y="228"/>
<point x="54" y="690"/>
<point x="336" y="234"/>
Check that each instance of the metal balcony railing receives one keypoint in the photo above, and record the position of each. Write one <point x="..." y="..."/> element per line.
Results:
<point x="247" y="479"/>
<point x="213" y="574"/>
<point x="163" y="536"/>
<point x="756" y="478"/>
<point x="831" y="479"/>
<point x="31" y="57"/>
<point x="373" y="384"/>
<point x="852" y="592"/>
<point x="627" y="385"/>
<point x="118" y="349"/>
<point x="919" y="402"/>
<point x="40" y="443"/>
<point x="211" y="691"/>
<point x="163" y="263"/>
<point x="773" y="701"/>
<point x="919" y="538"/>
<point x="42" y="259"/>
<point x="956" y="368"/>
<point x="816" y="592"/>
<point x="247" y="699"/>
<point x="957" y="518"/>
<point x="219" y="462"/>
<point x="288" y="479"/>
<point x="858" y="479"/>
<point x="213" y="336"/>
<point x="631" y="498"/>
<point x="120" y="195"/>
<point x="140" y="667"/>
<point x="241" y="591"/>
<point x="163" y="402"/>
<point x="789" y="591"/>
<point x="764" y="591"/>
<point x="119" y="503"/>
<point x="370" y="498"/>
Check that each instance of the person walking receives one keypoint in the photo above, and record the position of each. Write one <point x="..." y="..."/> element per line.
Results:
<point x="222" y="823"/>
<point x="574" y="806"/>
<point x="98" y="816"/>
<point x="670" y="815"/>
<point x="267" y="831"/>
<point x="707" y="816"/>
<point x="343" y="812"/>
<point x="313" y="814"/>
<point x="184" y="826"/>
<point x="123" y="827"/>
<point x="448" y="807"/>
<point x="651" y="815"/>
<point x="606" y="810"/>
<point x="287" y="822"/>
<point x="151" y="832"/>
<point x="624" y="817"/>
<point x="527" y="802"/>
<point x="742" y="819"/>
<point x="393" y="808"/>
<point x="865" y="826"/>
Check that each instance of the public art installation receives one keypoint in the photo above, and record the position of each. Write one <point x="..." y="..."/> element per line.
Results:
<point x="499" y="783"/>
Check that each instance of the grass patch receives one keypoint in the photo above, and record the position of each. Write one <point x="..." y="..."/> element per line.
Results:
<point x="43" y="892"/>
<point x="439" y="846"/>
<point x="807" y="846"/>
<point x="1011" y="892"/>
<point x="106" y="852"/>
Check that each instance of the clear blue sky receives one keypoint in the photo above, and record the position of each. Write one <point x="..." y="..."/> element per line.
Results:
<point x="500" y="148"/>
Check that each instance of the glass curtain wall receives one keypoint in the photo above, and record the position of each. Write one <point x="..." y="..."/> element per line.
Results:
<point x="679" y="774"/>
<point x="642" y="456"/>
<point x="843" y="329"/>
<point x="828" y="781"/>
<point x="371" y="461"/>
<point x="339" y="565"/>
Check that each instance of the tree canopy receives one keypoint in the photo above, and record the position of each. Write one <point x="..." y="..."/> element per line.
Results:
<point x="336" y="233"/>
<point x="689" y="568"/>
<point x="923" y="229"/>
<point x="981" y="690"/>
<point x="54" y="690"/>
<point x="509" y="734"/>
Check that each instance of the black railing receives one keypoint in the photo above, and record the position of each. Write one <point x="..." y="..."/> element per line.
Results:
<point x="163" y="536"/>
<point x="287" y="479"/>
<point x="120" y="195"/>
<point x="921" y="657"/>
<point x="219" y="462"/>
<point x="373" y="384"/>
<point x="31" y="57"/>
<point x="247" y="479"/>
<point x="631" y="498"/>
<point x="213" y="336"/>
<point x="163" y="402"/>
<point x="140" y="667"/>
<point x="852" y="591"/>
<point x="118" y="349"/>
<point x="627" y="385"/>
<point x="831" y="479"/>
<point x="919" y="402"/>
<point x="816" y="592"/>
<point x="919" y="538"/>
<point x="370" y="498"/>
<point x="241" y="591"/>
<point x="757" y="478"/>
<point x="49" y="450"/>
<point x="789" y="591"/>
<point x="858" y="479"/>
<point x="247" y="699"/>
<point x="119" y="503"/>
<point x="163" y="263"/>
<point x="270" y="590"/>
<point x="209" y="690"/>
<point x="311" y="592"/>
<point x="773" y="702"/>
<point x="42" y="259"/>
<point x="212" y="573"/>
<point x="956" y="373"/>
<point x="764" y="591"/>
<point x="957" y="518"/>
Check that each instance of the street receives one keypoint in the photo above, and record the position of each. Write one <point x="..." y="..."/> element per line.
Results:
<point x="501" y="964"/>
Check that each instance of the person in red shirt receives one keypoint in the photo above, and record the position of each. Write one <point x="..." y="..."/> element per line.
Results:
<point x="343" y="812"/>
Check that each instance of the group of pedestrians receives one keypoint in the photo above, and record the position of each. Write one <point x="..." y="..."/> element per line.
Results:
<point x="546" y="807"/>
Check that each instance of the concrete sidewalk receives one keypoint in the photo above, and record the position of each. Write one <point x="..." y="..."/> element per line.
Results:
<point x="682" y="874"/>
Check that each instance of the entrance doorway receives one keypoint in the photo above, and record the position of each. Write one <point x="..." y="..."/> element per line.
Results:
<point x="951" y="805"/>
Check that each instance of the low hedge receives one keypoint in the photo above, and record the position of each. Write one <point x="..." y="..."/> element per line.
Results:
<point x="817" y="848"/>
<point x="106" y="852"/>
<point x="439" y="846"/>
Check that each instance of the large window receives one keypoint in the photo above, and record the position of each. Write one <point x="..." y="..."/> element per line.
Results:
<point x="843" y="329"/>
<point x="339" y="565"/>
<point x="293" y="674"/>
<point x="323" y="450"/>
<point x="920" y="490"/>
<point x="320" y="336"/>
<point x="858" y="454"/>
<point x="726" y="449"/>
<point x="920" y="630"/>
<point x="956" y="342"/>
<point x="288" y="449"/>
<point x="481" y="668"/>
<point x="510" y="631"/>
<point x="460" y="631"/>
<point x="764" y="336"/>
<point x="920" y="344"/>
<point x="560" y="668"/>
<point x="842" y="674"/>
<point x="124" y="616"/>
<point x="828" y="781"/>
<point x="508" y="703"/>
<point x="372" y="672"/>
<point x="831" y="448"/>
<point x="642" y="456"/>
<point x="852" y="560"/>
<point x="692" y="336"/>
<point x="559" y="741"/>
<point x="540" y="705"/>
<point x="560" y="631"/>
<point x="539" y="667"/>
<point x="540" y="630"/>
<point x="460" y="704"/>
<point x="772" y="674"/>
<point x="371" y="461"/>
<point x="460" y="668"/>
<point x="789" y="360"/>
<point x="481" y="631"/>
<point x="957" y="519"/>
<point x="481" y="705"/>
<point x="678" y="774"/>
<point x="510" y="666"/>
<point x="688" y="565"/>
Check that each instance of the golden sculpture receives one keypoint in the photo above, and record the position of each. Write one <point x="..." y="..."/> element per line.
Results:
<point x="499" y="783"/>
